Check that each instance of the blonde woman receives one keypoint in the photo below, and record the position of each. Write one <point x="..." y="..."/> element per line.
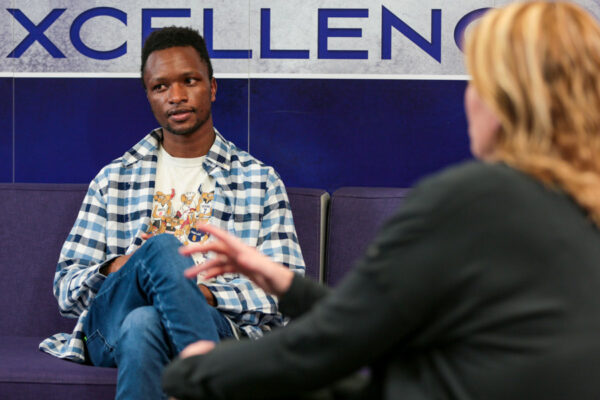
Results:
<point x="486" y="283"/>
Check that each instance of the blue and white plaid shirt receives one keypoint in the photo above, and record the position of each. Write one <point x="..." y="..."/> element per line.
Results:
<point x="250" y="201"/>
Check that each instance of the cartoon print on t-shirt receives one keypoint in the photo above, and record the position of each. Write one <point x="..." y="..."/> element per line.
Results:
<point x="187" y="214"/>
<point x="180" y="218"/>
<point x="204" y="207"/>
<point x="162" y="210"/>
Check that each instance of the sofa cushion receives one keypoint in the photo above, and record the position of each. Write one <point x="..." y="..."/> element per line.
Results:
<point x="27" y="373"/>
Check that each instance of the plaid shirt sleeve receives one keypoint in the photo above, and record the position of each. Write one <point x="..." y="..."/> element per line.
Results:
<point x="77" y="276"/>
<point x="248" y="305"/>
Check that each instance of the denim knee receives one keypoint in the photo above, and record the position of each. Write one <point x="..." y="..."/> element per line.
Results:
<point x="141" y="334"/>
<point x="163" y="251"/>
<point x="164" y="243"/>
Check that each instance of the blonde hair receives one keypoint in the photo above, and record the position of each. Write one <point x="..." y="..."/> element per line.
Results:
<point x="537" y="65"/>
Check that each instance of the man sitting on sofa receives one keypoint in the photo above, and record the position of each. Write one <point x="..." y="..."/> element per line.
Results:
<point x="125" y="282"/>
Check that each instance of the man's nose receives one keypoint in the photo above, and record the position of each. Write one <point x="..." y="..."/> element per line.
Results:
<point x="177" y="94"/>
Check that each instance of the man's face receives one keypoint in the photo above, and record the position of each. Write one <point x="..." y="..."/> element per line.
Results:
<point x="179" y="90"/>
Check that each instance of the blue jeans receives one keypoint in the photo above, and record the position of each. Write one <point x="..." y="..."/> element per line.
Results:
<point x="145" y="314"/>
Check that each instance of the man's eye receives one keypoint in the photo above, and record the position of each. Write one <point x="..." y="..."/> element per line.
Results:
<point x="191" y="81"/>
<point x="158" y="88"/>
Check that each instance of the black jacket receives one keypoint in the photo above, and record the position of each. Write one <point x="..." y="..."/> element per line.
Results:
<point x="485" y="285"/>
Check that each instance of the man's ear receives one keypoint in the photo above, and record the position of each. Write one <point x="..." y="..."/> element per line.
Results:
<point x="213" y="89"/>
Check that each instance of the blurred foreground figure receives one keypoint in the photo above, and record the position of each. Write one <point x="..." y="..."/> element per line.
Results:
<point x="485" y="284"/>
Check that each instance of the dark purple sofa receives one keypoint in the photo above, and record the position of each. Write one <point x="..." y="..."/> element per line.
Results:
<point x="36" y="219"/>
<point x="355" y="216"/>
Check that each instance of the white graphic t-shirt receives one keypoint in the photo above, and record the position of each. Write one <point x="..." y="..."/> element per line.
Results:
<point x="183" y="197"/>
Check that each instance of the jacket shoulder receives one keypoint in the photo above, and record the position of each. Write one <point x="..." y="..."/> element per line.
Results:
<point x="474" y="178"/>
<point x="465" y="184"/>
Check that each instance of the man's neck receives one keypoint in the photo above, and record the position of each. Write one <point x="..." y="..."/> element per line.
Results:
<point x="195" y="144"/>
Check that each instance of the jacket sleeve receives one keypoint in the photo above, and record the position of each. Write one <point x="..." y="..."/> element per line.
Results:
<point x="77" y="276"/>
<point x="237" y="296"/>
<point x="301" y="296"/>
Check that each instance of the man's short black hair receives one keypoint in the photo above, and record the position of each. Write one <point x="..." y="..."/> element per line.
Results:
<point x="175" y="36"/>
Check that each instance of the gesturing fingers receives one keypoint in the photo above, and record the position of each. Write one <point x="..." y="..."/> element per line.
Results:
<point x="231" y="241"/>
<point x="233" y="256"/>
<point x="217" y="247"/>
<point x="207" y="265"/>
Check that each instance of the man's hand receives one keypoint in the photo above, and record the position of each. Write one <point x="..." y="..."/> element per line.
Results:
<point x="235" y="256"/>
<point x="118" y="262"/>
<point x="146" y="236"/>
<point x="197" y="348"/>
<point x="210" y="297"/>
<point x="115" y="265"/>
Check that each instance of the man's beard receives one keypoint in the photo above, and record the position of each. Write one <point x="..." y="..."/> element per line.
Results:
<point x="185" y="131"/>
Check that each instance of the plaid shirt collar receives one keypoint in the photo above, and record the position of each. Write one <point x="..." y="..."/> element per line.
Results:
<point x="219" y="154"/>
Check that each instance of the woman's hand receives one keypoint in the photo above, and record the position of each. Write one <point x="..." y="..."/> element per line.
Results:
<point x="235" y="256"/>
<point x="197" y="348"/>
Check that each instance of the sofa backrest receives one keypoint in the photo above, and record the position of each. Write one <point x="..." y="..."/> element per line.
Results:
<point x="355" y="216"/>
<point x="309" y="208"/>
<point x="36" y="219"/>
